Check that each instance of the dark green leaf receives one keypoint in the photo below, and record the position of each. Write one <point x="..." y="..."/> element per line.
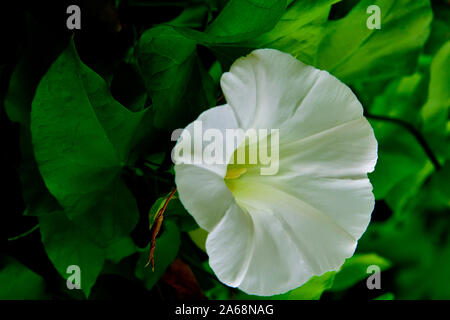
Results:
<point x="20" y="283"/>
<point x="176" y="81"/>
<point x="81" y="139"/>
<point x="68" y="244"/>
<point x="22" y="86"/>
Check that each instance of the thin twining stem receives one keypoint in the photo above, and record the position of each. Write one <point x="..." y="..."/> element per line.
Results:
<point x="416" y="133"/>
<point x="25" y="233"/>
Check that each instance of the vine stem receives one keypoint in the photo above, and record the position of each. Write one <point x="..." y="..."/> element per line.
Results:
<point x="24" y="234"/>
<point x="416" y="133"/>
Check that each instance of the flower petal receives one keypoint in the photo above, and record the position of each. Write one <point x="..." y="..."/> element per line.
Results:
<point x="292" y="241"/>
<point x="264" y="87"/>
<point x="201" y="186"/>
<point x="348" y="202"/>
<point x="250" y="250"/>
<point x="269" y="89"/>
<point x="348" y="150"/>
<point x="203" y="193"/>
<point x="229" y="246"/>
<point x="218" y="119"/>
<point x="270" y="234"/>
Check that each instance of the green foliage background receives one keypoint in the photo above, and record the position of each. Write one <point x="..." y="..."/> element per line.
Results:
<point x="88" y="116"/>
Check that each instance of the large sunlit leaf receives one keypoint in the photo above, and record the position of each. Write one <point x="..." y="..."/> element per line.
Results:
<point x="353" y="52"/>
<point x="240" y="20"/>
<point x="299" y="31"/>
<point x="244" y="19"/>
<point x="435" y="112"/>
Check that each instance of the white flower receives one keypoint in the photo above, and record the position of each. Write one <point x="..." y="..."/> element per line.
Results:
<point x="271" y="233"/>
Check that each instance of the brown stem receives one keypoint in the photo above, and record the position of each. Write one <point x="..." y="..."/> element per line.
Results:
<point x="155" y="230"/>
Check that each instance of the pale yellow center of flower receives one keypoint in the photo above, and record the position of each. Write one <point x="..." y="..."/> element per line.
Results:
<point x="240" y="166"/>
<point x="234" y="172"/>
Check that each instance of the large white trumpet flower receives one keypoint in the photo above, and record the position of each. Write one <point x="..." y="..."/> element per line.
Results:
<point x="270" y="232"/>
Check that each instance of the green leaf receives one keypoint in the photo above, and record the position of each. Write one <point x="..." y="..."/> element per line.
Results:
<point x="440" y="27"/>
<point x="402" y="193"/>
<point x="159" y="203"/>
<point x="299" y="31"/>
<point x="177" y="213"/>
<point x="435" y="111"/>
<point x="81" y="140"/>
<point x="166" y="250"/>
<point x="198" y="236"/>
<point x="20" y="92"/>
<point x="418" y="247"/>
<point x="192" y="17"/>
<point x="399" y="156"/>
<point x="355" y="270"/>
<point x="68" y="244"/>
<point x="352" y="52"/>
<point x="386" y="296"/>
<point x="313" y="289"/>
<point x="407" y="94"/>
<point x="22" y="86"/>
<point x="401" y="239"/>
<point x="244" y="19"/>
<point x="20" y="283"/>
<point x="435" y="194"/>
<point x="239" y="20"/>
<point x="402" y="163"/>
<point x="427" y="281"/>
<point x="174" y="212"/>
<point x="176" y="81"/>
